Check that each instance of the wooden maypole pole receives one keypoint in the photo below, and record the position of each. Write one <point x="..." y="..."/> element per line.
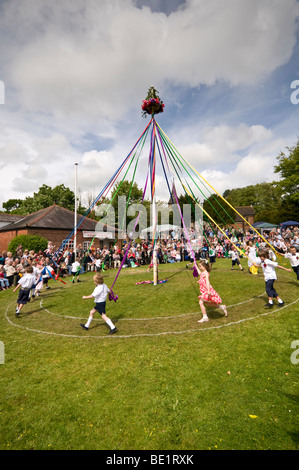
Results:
<point x="154" y="213"/>
<point x="153" y="105"/>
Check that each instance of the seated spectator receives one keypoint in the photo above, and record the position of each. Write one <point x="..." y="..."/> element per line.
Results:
<point x="4" y="283"/>
<point x="10" y="270"/>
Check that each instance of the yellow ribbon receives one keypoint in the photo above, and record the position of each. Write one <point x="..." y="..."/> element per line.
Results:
<point x="259" y="234"/>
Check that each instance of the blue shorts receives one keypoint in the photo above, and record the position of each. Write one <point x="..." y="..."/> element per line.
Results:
<point x="23" y="296"/>
<point x="100" y="307"/>
<point x="271" y="292"/>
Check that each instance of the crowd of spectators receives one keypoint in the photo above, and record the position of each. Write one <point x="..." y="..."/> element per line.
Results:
<point x="212" y="245"/>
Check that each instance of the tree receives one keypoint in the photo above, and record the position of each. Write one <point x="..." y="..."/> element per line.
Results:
<point x="288" y="168"/>
<point x="45" y="197"/>
<point x="186" y="199"/>
<point x="130" y="193"/>
<point x="12" y="205"/>
<point x="264" y="197"/>
<point x="218" y="210"/>
<point x="124" y="189"/>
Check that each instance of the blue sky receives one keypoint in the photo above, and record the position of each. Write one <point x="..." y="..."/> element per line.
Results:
<point x="75" y="73"/>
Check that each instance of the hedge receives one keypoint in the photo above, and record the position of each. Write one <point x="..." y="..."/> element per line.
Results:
<point x="28" y="242"/>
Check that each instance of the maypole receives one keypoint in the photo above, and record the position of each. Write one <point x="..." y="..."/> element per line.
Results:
<point x="153" y="105"/>
<point x="154" y="214"/>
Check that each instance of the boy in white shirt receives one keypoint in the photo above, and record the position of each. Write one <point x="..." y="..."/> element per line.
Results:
<point x="36" y="274"/>
<point x="26" y="283"/>
<point x="293" y="256"/>
<point x="47" y="272"/>
<point x="76" y="270"/>
<point x="236" y="259"/>
<point x="270" y="276"/>
<point x="100" y="295"/>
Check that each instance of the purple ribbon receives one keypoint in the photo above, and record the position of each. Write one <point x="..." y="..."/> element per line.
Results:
<point x="113" y="296"/>
<point x="129" y="245"/>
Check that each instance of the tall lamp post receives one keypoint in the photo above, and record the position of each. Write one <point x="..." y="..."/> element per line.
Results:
<point x="75" y="219"/>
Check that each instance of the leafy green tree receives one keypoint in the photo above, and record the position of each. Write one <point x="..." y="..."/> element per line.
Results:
<point x="45" y="197"/>
<point x="218" y="210"/>
<point x="264" y="197"/>
<point x="12" y="205"/>
<point x="288" y="168"/>
<point x="133" y="195"/>
<point x="124" y="189"/>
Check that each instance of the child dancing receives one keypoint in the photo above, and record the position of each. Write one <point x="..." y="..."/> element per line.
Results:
<point x="208" y="295"/>
<point x="236" y="259"/>
<point x="293" y="256"/>
<point x="100" y="295"/>
<point x="25" y="284"/>
<point x="270" y="276"/>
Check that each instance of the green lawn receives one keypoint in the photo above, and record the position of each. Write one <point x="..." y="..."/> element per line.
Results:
<point x="164" y="381"/>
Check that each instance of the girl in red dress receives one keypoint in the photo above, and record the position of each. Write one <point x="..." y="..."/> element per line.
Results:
<point x="208" y="295"/>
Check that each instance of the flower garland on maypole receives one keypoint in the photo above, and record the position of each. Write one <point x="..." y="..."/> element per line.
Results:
<point x="152" y="104"/>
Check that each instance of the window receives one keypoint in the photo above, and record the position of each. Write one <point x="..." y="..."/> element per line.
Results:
<point x="68" y="244"/>
<point x="86" y="245"/>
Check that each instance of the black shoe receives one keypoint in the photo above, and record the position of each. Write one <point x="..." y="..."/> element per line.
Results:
<point x="83" y="326"/>
<point x="280" y="304"/>
<point x="78" y="280"/>
<point x="113" y="330"/>
<point x="268" y="305"/>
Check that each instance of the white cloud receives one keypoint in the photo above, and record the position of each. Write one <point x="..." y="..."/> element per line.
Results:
<point x="27" y="185"/>
<point x="223" y="145"/>
<point x="82" y="67"/>
<point x="94" y="171"/>
<point x="250" y="170"/>
<point x="216" y="170"/>
<point x="93" y="58"/>
<point x="232" y="139"/>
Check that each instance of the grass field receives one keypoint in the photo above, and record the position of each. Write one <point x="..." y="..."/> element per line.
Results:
<point x="164" y="381"/>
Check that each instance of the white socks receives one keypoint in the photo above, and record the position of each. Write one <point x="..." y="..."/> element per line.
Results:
<point x="109" y="323"/>
<point x="88" y="322"/>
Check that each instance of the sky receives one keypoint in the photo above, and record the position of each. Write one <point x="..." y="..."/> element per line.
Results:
<point x="73" y="74"/>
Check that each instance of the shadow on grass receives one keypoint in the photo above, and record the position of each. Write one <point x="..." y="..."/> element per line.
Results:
<point x="293" y="283"/>
<point x="294" y="436"/>
<point x="102" y="325"/>
<point x="214" y="313"/>
<point x="27" y="313"/>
